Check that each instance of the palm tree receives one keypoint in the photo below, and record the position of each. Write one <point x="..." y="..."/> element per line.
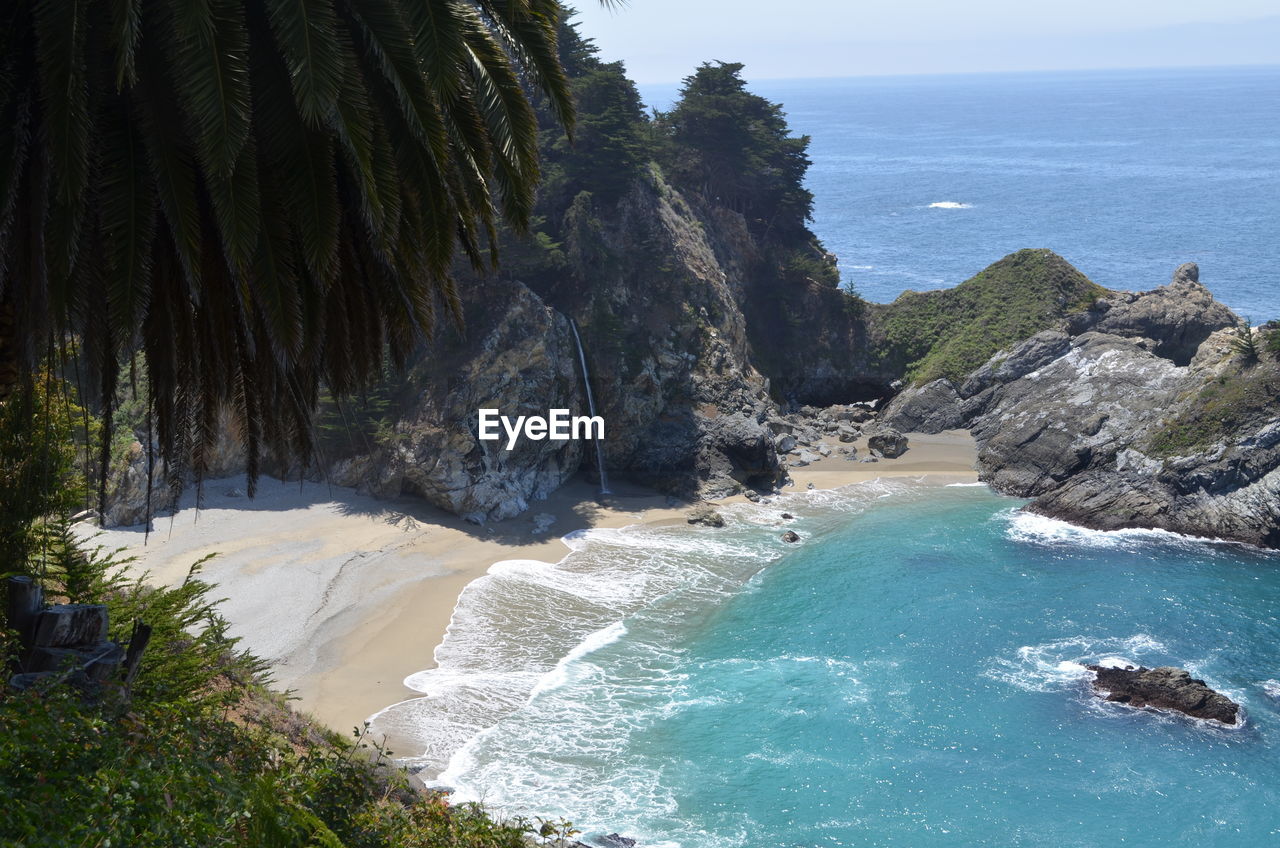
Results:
<point x="255" y="197"/>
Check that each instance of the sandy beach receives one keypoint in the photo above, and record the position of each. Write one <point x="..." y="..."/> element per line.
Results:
<point x="371" y="585"/>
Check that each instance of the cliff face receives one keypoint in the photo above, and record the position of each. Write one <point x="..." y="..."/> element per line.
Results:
<point x="516" y="355"/>
<point x="659" y="308"/>
<point x="1141" y="411"/>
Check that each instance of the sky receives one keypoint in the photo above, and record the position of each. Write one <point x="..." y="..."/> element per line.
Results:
<point x="664" y="40"/>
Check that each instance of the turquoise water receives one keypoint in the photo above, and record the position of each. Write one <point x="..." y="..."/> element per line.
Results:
<point x="1127" y="174"/>
<point x="910" y="675"/>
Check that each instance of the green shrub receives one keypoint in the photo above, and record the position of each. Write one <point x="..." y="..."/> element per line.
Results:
<point x="951" y="332"/>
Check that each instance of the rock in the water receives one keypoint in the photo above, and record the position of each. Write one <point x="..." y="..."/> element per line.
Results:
<point x="613" y="840"/>
<point x="1164" y="688"/>
<point x="889" y="443"/>
<point x="706" y="516"/>
<point x="791" y="536"/>
<point x="786" y="516"/>
<point x="752" y="495"/>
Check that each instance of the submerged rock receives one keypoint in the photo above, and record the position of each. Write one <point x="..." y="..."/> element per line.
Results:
<point x="791" y="536"/>
<point x="1164" y="688"/>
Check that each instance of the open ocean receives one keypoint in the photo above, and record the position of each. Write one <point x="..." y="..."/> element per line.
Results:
<point x="1127" y="174"/>
<point x="912" y="673"/>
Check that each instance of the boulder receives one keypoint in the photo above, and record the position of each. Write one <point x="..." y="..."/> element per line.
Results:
<point x="888" y="443"/>
<point x="791" y="537"/>
<point x="931" y="408"/>
<point x="1164" y="688"/>
<point x="706" y="516"/>
<point x="518" y="357"/>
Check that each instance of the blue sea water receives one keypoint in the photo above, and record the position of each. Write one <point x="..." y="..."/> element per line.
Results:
<point x="1125" y="173"/>
<point x="912" y="674"/>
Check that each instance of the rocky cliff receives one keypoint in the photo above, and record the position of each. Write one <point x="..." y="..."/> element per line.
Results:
<point x="1150" y="410"/>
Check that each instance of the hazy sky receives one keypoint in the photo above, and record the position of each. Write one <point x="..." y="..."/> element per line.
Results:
<point x="663" y="40"/>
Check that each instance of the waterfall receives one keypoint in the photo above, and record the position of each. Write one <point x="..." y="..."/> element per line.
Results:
<point x="591" y="406"/>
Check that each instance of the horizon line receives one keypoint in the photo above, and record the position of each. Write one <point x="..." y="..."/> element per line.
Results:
<point x="1007" y="72"/>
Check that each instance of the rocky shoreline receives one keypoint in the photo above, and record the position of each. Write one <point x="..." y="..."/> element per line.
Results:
<point x="1109" y="410"/>
<point x="1103" y="422"/>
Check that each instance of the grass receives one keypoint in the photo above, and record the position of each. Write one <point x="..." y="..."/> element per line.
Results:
<point x="950" y="333"/>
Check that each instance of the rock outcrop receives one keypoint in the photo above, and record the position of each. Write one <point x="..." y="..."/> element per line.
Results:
<point x="1164" y="688"/>
<point x="662" y="321"/>
<point x="127" y="490"/>
<point x="517" y="356"/>
<point x="1107" y="423"/>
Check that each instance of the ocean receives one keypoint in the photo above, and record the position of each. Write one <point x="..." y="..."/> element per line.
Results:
<point x="921" y="182"/>
<point x="912" y="673"/>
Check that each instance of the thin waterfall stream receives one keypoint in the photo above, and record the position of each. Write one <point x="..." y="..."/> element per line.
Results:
<point x="591" y="406"/>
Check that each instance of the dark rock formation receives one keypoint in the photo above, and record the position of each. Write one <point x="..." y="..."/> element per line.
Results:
<point x="1164" y="688"/>
<point x="888" y="443"/>
<point x="1113" y="429"/>
<point x="1177" y="317"/>
<point x="790" y="536"/>
<point x="706" y="516"/>
<point x="518" y="357"/>
<point x="613" y="840"/>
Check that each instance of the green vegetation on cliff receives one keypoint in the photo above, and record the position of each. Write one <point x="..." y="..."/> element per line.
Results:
<point x="950" y="332"/>
<point x="1239" y="400"/>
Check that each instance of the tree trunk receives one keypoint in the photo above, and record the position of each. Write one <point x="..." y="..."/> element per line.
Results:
<point x="8" y="350"/>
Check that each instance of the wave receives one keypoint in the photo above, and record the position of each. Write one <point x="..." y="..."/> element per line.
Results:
<point x="588" y="648"/>
<point x="1033" y="528"/>
<point x="949" y="204"/>
<point x="561" y="675"/>
<point x="1054" y="666"/>
<point x="1062" y="666"/>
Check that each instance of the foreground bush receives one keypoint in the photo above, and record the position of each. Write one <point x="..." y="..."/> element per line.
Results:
<point x="199" y="751"/>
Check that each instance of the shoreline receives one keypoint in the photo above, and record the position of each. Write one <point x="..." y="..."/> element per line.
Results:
<point x="374" y="583"/>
